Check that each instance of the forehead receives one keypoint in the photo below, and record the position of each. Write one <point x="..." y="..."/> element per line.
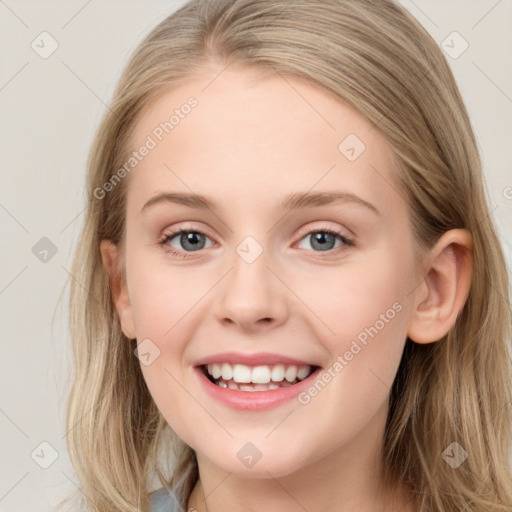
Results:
<point x="253" y="131"/>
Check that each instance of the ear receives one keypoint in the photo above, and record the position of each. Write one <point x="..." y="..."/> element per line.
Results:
<point x="110" y="256"/>
<point x="442" y="295"/>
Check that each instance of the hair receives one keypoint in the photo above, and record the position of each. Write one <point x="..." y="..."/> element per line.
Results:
<point x="377" y="58"/>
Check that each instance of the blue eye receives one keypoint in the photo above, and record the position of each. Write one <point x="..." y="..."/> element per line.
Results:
<point x="323" y="239"/>
<point x="193" y="241"/>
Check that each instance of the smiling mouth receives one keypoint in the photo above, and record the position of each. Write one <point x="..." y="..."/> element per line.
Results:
<point x="241" y="377"/>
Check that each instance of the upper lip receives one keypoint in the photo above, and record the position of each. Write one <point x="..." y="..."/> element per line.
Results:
<point x="259" y="358"/>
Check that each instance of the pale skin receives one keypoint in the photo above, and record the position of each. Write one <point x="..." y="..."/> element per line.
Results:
<point x="251" y="141"/>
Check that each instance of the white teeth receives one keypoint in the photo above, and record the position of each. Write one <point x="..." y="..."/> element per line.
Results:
<point x="262" y="374"/>
<point x="291" y="373"/>
<point x="251" y="387"/>
<point x="232" y="384"/>
<point x="246" y="387"/>
<point x="227" y="371"/>
<point x="278" y="373"/>
<point x="265" y="387"/>
<point x="241" y="373"/>
<point x="303" y="372"/>
<point x="214" y="370"/>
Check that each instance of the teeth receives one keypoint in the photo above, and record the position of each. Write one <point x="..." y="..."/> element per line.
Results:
<point x="262" y="374"/>
<point x="303" y="372"/>
<point x="214" y="370"/>
<point x="291" y="373"/>
<point x="227" y="372"/>
<point x="278" y="373"/>
<point x="232" y="384"/>
<point x="242" y="373"/>
<point x="246" y="387"/>
<point x="251" y="387"/>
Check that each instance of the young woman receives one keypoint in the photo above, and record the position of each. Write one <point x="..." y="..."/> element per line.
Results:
<point x="289" y="293"/>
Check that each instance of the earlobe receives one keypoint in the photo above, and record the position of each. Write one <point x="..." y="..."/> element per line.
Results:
<point x="110" y="256"/>
<point x="440" y="299"/>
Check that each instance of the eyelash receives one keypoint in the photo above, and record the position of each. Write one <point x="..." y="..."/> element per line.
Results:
<point x="347" y="242"/>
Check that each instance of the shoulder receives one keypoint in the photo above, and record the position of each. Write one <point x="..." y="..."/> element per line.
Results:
<point x="164" y="500"/>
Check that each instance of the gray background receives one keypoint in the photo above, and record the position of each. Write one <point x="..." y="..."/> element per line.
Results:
<point x="50" y="109"/>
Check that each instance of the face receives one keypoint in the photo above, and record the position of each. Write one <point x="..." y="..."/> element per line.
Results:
<point x="263" y="285"/>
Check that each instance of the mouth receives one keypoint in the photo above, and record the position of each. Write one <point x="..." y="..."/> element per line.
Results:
<point x="260" y="378"/>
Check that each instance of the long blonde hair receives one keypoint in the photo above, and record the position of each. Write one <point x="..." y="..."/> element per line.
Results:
<point x="376" y="57"/>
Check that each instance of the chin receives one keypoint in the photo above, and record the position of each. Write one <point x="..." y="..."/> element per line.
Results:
<point x="247" y="462"/>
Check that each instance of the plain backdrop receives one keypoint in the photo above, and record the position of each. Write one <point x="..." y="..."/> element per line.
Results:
<point x="50" y="110"/>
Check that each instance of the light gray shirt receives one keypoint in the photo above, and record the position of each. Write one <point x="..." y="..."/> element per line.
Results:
<point x="164" y="500"/>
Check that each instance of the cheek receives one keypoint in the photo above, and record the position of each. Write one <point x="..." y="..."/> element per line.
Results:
<point x="164" y="303"/>
<point x="161" y="296"/>
<point x="370" y="332"/>
<point x="364" y="312"/>
<point x="347" y="299"/>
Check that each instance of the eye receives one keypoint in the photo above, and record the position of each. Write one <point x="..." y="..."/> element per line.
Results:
<point x="190" y="240"/>
<point x="323" y="240"/>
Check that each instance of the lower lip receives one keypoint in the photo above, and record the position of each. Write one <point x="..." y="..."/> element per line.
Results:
<point x="254" y="400"/>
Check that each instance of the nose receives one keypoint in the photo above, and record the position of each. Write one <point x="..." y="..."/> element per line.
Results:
<point x="252" y="297"/>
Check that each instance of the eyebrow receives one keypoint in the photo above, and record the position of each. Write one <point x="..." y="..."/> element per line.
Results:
<point x="293" y="201"/>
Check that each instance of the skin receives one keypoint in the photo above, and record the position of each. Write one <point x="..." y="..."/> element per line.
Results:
<point x="254" y="138"/>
